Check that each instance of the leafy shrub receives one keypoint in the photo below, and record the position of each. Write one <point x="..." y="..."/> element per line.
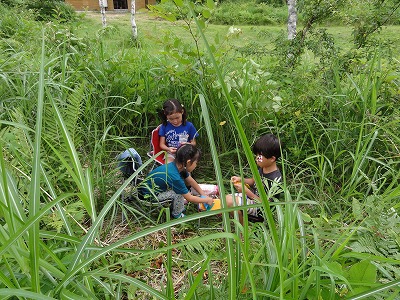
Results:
<point x="248" y="13"/>
<point x="12" y="3"/>
<point x="13" y="25"/>
<point x="229" y="12"/>
<point x="169" y="11"/>
<point x="53" y="10"/>
<point x="276" y="3"/>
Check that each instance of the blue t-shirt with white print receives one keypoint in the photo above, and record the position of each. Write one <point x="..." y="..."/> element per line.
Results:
<point x="176" y="136"/>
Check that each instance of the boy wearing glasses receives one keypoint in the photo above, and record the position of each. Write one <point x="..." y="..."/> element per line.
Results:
<point x="267" y="150"/>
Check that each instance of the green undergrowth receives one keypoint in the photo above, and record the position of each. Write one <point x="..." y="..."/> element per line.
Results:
<point x="74" y="96"/>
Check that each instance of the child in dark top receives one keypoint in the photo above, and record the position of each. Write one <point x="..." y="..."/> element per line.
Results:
<point x="267" y="150"/>
<point x="170" y="181"/>
<point x="175" y="129"/>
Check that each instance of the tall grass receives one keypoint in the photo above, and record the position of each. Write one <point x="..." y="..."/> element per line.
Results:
<point x="60" y="192"/>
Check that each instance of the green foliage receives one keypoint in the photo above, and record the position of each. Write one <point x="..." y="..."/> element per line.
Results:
<point x="336" y="112"/>
<point x="368" y="17"/>
<point x="241" y="12"/>
<point x="379" y="233"/>
<point x="11" y="3"/>
<point x="272" y="2"/>
<point x="52" y="10"/>
<point x="17" y="27"/>
<point x="229" y="12"/>
<point x="317" y="11"/>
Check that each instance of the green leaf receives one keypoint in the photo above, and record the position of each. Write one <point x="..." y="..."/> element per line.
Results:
<point x="23" y="293"/>
<point x="335" y="267"/>
<point x="206" y="13"/>
<point x="212" y="48"/>
<point x="210" y="4"/>
<point x="357" y="210"/>
<point x="68" y="295"/>
<point x="201" y="23"/>
<point x="306" y="217"/>
<point x="179" y="3"/>
<point x="363" y="272"/>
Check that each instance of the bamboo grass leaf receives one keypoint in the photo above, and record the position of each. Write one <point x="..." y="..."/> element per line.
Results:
<point x="249" y="156"/>
<point x="103" y="251"/>
<point x="31" y="222"/>
<point x="229" y="246"/>
<point x="199" y="277"/>
<point x="34" y="202"/>
<point x="60" y="209"/>
<point x="68" y="295"/>
<point x="128" y="279"/>
<point x="87" y="200"/>
<point x="6" y="281"/>
<point x="8" y="208"/>
<point x="87" y="240"/>
<point x="24" y="293"/>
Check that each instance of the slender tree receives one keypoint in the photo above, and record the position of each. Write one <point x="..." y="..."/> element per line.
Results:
<point x="103" y="13"/>
<point x="292" y="19"/>
<point x="133" y="22"/>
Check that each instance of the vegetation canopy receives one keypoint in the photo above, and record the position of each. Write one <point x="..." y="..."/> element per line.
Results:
<point x="75" y="94"/>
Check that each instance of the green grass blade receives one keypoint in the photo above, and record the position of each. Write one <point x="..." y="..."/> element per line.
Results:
<point x="194" y="284"/>
<point x="128" y="279"/>
<point x="249" y="156"/>
<point x="81" y="181"/>
<point x="31" y="222"/>
<point x="103" y="251"/>
<point x="34" y="202"/>
<point x="23" y="293"/>
<point x="370" y="293"/>
<point x="226" y="224"/>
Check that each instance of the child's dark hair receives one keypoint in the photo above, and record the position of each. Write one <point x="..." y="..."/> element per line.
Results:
<point x="187" y="152"/>
<point x="268" y="145"/>
<point x="172" y="106"/>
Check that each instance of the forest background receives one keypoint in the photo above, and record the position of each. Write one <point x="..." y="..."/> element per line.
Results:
<point x="74" y="94"/>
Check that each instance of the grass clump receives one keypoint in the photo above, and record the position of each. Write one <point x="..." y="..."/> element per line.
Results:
<point x="53" y="10"/>
<point x="73" y="96"/>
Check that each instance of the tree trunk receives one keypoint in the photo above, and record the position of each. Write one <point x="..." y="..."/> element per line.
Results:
<point x="103" y="13"/>
<point x="133" y="22"/>
<point x="292" y="19"/>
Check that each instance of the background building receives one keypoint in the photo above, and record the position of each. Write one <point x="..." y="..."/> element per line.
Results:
<point x="108" y="4"/>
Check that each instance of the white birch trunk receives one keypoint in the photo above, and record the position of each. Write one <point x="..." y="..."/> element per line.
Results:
<point x="133" y="22"/>
<point x="103" y="13"/>
<point x="292" y="19"/>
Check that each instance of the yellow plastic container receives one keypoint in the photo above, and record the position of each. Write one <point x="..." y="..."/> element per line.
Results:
<point x="217" y="205"/>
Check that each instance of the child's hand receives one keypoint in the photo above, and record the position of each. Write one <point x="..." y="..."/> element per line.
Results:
<point x="237" y="183"/>
<point x="236" y="179"/>
<point x="208" y="200"/>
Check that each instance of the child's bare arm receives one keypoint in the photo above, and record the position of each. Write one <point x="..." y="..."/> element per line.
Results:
<point x="250" y="194"/>
<point x="248" y="182"/>
<point x="196" y="199"/>
<point x="164" y="146"/>
<point x="193" y="183"/>
<point x="237" y="180"/>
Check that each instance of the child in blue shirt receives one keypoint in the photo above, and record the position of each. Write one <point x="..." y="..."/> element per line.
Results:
<point x="170" y="181"/>
<point x="175" y="130"/>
